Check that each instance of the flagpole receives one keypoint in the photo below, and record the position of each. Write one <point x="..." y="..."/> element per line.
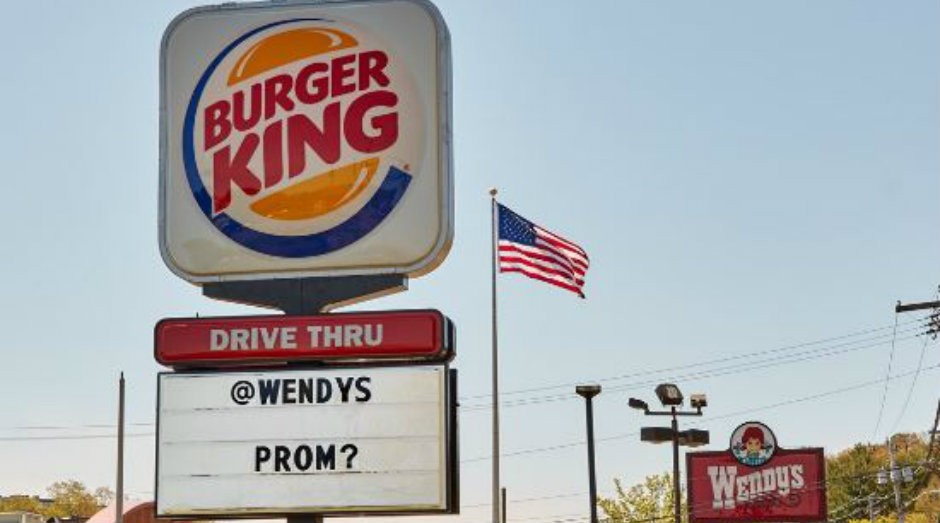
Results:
<point x="495" y="358"/>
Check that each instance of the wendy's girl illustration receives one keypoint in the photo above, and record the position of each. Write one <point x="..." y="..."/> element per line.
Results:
<point x="753" y="444"/>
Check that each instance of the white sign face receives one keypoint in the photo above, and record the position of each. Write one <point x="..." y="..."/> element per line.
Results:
<point x="305" y="139"/>
<point x="354" y="440"/>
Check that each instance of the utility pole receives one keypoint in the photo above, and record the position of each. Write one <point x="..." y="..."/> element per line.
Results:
<point x="896" y="482"/>
<point x="933" y="322"/>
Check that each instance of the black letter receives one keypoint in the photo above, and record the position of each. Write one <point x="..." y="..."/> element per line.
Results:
<point x="344" y="391"/>
<point x="281" y="455"/>
<point x="324" y="390"/>
<point x="306" y="390"/>
<point x="290" y="391"/>
<point x="303" y="457"/>
<point x="269" y="390"/>
<point x="262" y="454"/>
<point x="326" y="457"/>
<point x="361" y="386"/>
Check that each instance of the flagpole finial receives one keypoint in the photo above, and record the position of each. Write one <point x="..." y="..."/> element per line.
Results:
<point x="493" y="192"/>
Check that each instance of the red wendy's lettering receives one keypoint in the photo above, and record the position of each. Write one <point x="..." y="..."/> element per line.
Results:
<point x="367" y="121"/>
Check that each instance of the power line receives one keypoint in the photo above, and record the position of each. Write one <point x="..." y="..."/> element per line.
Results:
<point x="910" y="390"/>
<point x="710" y="419"/>
<point x="697" y="364"/>
<point x="710" y="373"/>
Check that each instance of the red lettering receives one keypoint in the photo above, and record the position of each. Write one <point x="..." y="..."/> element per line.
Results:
<point x="216" y="125"/>
<point x="369" y="123"/>
<point x="320" y="84"/>
<point x="277" y="93"/>
<point x="302" y="132"/>
<point x="273" y="155"/>
<point x="371" y="68"/>
<point x="386" y="124"/>
<point x="342" y="68"/>
<point x="243" y="122"/>
<point x="226" y="171"/>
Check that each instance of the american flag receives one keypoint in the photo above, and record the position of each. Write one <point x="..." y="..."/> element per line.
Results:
<point x="538" y="253"/>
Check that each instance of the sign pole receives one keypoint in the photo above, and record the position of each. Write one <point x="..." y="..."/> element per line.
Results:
<point x="676" y="493"/>
<point x="306" y="295"/>
<point x="495" y="358"/>
<point x="306" y="518"/>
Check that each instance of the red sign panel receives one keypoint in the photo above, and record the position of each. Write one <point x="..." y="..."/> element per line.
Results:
<point x="791" y="486"/>
<point x="424" y="335"/>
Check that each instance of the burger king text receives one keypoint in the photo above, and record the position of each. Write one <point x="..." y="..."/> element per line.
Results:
<point x="278" y="103"/>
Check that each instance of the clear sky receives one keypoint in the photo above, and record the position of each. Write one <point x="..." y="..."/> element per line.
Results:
<point x="746" y="176"/>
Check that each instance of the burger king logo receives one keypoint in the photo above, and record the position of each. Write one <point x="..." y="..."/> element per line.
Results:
<point x="302" y="136"/>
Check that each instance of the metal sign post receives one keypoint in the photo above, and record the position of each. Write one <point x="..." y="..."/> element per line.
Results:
<point x="306" y="295"/>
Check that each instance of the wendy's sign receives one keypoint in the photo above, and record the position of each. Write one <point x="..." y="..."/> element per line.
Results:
<point x="756" y="480"/>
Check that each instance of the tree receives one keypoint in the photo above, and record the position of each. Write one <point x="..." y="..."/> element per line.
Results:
<point x="103" y="496"/>
<point x="20" y="504"/>
<point x="649" y="501"/>
<point x="72" y="498"/>
<point x="909" y="518"/>
<point x="852" y="480"/>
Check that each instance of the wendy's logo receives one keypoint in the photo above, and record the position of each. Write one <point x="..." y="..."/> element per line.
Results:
<point x="753" y="444"/>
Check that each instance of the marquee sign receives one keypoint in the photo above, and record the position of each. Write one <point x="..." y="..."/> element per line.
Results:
<point x="338" y="441"/>
<point x="755" y="480"/>
<point x="418" y="335"/>
<point x="305" y="139"/>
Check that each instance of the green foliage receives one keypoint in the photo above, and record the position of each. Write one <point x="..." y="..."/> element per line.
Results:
<point x="20" y="504"/>
<point x="648" y="501"/>
<point x="908" y="518"/>
<point x="852" y="478"/>
<point x="69" y="499"/>
<point x="72" y="498"/>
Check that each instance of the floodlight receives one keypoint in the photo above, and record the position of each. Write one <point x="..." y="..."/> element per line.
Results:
<point x="693" y="438"/>
<point x="638" y="404"/>
<point x="669" y="394"/>
<point x="588" y="391"/>
<point x="656" y="434"/>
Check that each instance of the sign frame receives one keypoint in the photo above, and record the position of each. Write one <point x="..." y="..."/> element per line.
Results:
<point x="443" y="170"/>
<point x="445" y="341"/>
<point x="451" y="453"/>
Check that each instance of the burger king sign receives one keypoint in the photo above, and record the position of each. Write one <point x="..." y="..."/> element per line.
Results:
<point x="305" y="139"/>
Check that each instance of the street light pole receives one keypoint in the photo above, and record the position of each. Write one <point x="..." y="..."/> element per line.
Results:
<point x="670" y="396"/>
<point x="588" y="392"/>
<point x="676" y="498"/>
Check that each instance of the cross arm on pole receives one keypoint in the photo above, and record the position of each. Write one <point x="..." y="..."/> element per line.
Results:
<point x="908" y="307"/>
